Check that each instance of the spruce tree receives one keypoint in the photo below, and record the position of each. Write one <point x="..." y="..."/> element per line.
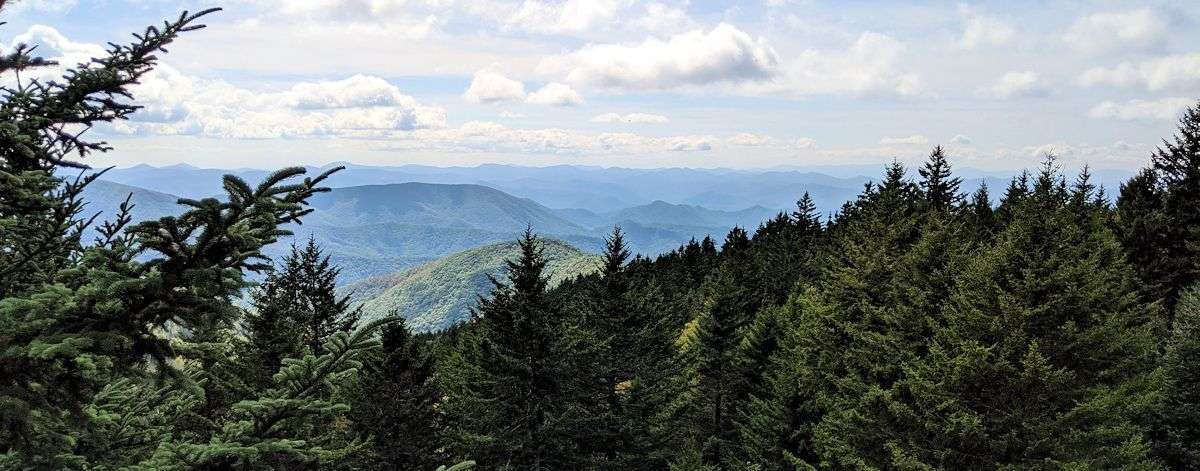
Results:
<point x="506" y="382"/>
<point x="938" y="185"/>
<point x="296" y="310"/>
<point x="394" y="403"/>
<point x="1050" y="321"/>
<point x="1179" y="414"/>
<point x="1157" y="216"/>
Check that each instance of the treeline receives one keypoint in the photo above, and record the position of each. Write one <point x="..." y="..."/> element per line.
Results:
<point x="916" y="328"/>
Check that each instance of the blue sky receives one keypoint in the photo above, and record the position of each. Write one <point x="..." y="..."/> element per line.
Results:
<point x="642" y="84"/>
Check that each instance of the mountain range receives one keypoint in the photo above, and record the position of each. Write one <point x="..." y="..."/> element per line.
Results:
<point x="381" y="220"/>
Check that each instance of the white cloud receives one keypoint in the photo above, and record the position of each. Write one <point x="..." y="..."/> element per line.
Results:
<point x="873" y="65"/>
<point x="723" y="55"/>
<point x="178" y="104"/>
<point x="1177" y="72"/>
<point x="915" y="139"/>
<point x="691" y="143"/>
<point x="960" y="140"/>
<point x="985" y="31"/>
<point x="488" y="86"/>
<point x="748" y="139"/>
<point x="631" y="118"/>
<point x="39" y="6"/>
<point x="510" y="114"/>
<point x="1140" y="29"/>
<point x="54" y="46"/>
<point x="1017" y="85"/>
<point x="805" y="143"/>
<point x="1142" y="110"/>
<point x="571" y="16"/>
<point x="555" y="94"/>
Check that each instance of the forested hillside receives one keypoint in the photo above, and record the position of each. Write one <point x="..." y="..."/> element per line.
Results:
<point x="919" y="327"/>
<point x="441" y="293"/>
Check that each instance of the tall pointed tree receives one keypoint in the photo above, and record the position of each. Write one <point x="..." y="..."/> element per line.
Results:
<point x="506" y="383"/>
<point x="938" y="184"/>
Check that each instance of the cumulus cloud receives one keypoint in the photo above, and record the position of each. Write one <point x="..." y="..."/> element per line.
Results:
<point x="873" y="65"/>
<point x="555" y="94"/>
<point x="488" y="86"/>
<point x="631" y="118"/>
<point x="915" y="139"/>
<point x="805" y="143"/>
<point x="1106" y="31"/>
<point x="53" y="45"/>
<point x="724" y="54"/>
<point x="691" y="143"/>
<point x="985" y="31"/>
<point x="1176" y="72"/>
<point x="178" y="104"/>
<point x="1017" y="85"/>
<point x="960" y="140"/>
<point x="1141" y="110"/>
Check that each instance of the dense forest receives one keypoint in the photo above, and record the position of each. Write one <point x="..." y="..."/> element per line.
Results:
<point x="916" y="328"/>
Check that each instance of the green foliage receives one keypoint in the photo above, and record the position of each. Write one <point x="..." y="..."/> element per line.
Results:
<point x="438" y="294"/>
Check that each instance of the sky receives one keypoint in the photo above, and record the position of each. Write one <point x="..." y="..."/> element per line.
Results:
<point x="753" y="84"/>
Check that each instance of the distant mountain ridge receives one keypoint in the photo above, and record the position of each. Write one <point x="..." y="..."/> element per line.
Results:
<point x="440" y="205"/>
<point x="599" y="189"/>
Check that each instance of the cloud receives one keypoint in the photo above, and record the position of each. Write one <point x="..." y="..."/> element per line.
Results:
<point x="40" y="6"/>
<point x="805" y="143"/>
<point x="748" y="139"/>
<point x="691" y="143"/>
<point x="915" y="139"/>
<point x="631" y="118"/>
<point x="490" y="87"/>
<point x="1177" y="72"/>
<point x="510" y="114"/>
<point x="1017" y="85"/>
<point x="723" y="55"/>
<point x="1142" y="110"/>
<point x="960" y="140"/>
<point x="873" y="65"/>
<point x="571" y="16"/>
<point x="985" y="31"/>
<point x="555" y="94"/>
<point x="1140" y="29"/>
<point x="179" y="104"/>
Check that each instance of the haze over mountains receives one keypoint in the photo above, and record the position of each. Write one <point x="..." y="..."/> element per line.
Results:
<point x="381" y="220"/>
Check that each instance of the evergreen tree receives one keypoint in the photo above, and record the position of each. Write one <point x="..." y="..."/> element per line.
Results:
<point x="938" y="185"/>
<point x="1049" y="320"/>
<point x="296" y="310"/>
<point x="394" y="402"/>
<point x="507" y="386"/>
<point x="981" y="217"/>
<point x="1171" y="240"/>
<point x="1179" y="445"/>
<point x="728" y="306"/>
